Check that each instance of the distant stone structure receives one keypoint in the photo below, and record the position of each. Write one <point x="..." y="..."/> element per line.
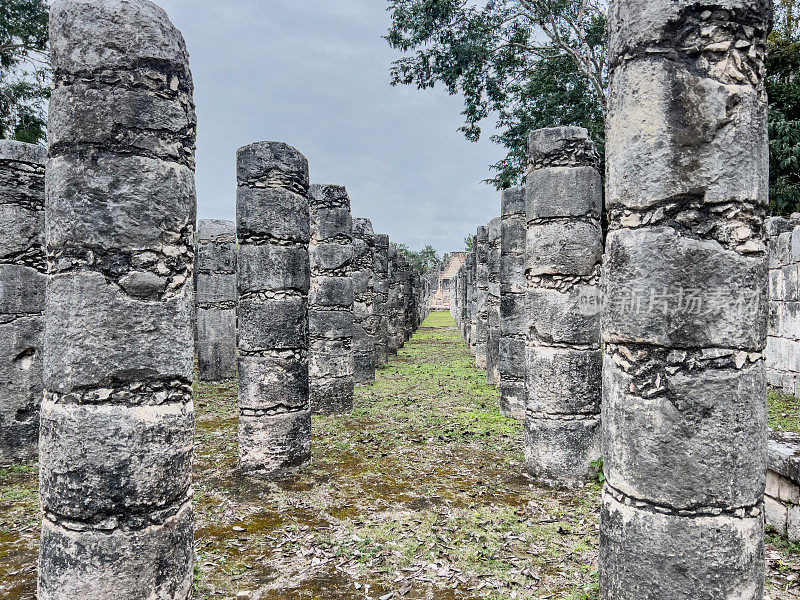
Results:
<point x="216" y="300"/>
<point x="513" y="323"/>
<point x="23" y="274"/>
<point x="684" y="326"/>
<point x="117" y="419"/>
<point x="451" y="263"/>
<point x="272" y="221"/>
<point x="493" y="304"/>
<point x="564" y="201"/>
<point x="365" y="320"/>
<point x="330" y="314"/>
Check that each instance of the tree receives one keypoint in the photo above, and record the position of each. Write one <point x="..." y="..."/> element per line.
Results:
<point x="24" y="69"/>
<point x="422" y="260"/>
<point x="533" y="63"/>
<point x="469" y="243"/>
<point x="783" y="87"/>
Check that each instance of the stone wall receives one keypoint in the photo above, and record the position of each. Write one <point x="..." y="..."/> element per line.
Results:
<point x="216" y="300"/>
<point x="782" y="499"/>
<point x="23" y="269"/>
<point x="783" y="344"/>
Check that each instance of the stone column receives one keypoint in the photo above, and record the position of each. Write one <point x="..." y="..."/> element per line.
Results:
<point x="394" y="304"/>
<point x="493" y="303"/>
<point x="363" y="276"/>
<point x="463" y="299"/>
<point x="564" y="252"/>
<point x="481" y="296"/>
<point x="684" y="412"/>
<point x="117" y="418"/>
<point x="472" y="293"/>
<point x="381" y="299"/>
<point x="513" y="324"/>
<point x="23" y="272"/>
<point x="330" y="314"/>
<point x="216" y="300"/>
<point x="272" y="224"/>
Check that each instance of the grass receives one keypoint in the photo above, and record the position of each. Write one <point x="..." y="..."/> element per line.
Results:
<point x="784" y="411"/>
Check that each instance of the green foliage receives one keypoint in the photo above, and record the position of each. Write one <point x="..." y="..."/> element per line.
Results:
<point x="422" y="260"/>
<point x="469" y="243"/>
<point x="24" y="70"/>
<point x="783" y="87"/>
<point x="533" y="63"/>
<point x="598" y="465"/>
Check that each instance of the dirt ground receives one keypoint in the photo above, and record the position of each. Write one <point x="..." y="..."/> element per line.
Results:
<point x="419" y="493"/>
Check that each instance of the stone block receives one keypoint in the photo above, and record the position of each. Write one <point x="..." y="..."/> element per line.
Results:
<point x="729" y="161"/>
<point x="133" y="565"/>
<point x="559" y="452"/>
<point x="556" y="317"/>
<point x="331" y="292"/>
<point x="675" y="291"/>
<point x="98" y="461"/>
<point x="564" y="192"/>
<point x="272" y="214"/>
<point x="21" y="358"/>
<point x="216" y="289"/>
<point x="86" y="311"/>
<point x="564" y="248"/>
<point x="99" y="203"/>
<point x="273" y="384"/>
<point x="330" y="257"/>
<point x="650" y="555"/>
<point x="22" y="228"/>
<point x="673" y="447"/>
<point x="22" y="290"/>
<point x="563" y="381"/>
<point x="216" y="348"/>
<point x="273" y="268"/>
<point x="266" y="325"/>
<point x="274" y="445"/>
<point x="330" y="324"/>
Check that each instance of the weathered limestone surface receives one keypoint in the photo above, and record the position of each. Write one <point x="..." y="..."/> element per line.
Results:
<point x="564" y="251"/>
<point x="23" y="272"/>
<point x="330" y="313"/>
<point x="382" y="285"/>
<point x="472" y="299"/>
<point x="365" y="320"/>
<point x="493" y="304"/>
<point x="216" y="300"/>
<point x="512" y="304"/>
<point x="272" y="222"/>
<point x="685" y="318"/>
<point x="481" y="296"/>
<point x="117" y="417"/>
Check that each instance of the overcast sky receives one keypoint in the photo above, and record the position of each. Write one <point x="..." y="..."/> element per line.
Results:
<point x="315" y="74"/>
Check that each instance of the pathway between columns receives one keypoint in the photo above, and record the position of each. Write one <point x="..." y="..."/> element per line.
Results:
<point x="417" y="494"/>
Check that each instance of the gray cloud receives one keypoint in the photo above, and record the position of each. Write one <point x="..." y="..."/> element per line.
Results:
<point x="314" y="73"/>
